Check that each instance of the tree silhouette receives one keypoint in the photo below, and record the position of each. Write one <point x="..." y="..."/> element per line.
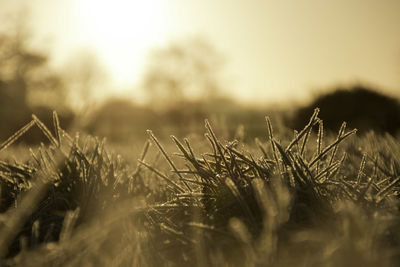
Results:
<point x="84" y="74"/>
<point x="181" y="71"/>
<point x="26" y="81"/>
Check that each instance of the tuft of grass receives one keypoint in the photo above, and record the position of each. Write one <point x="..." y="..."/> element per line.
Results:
<point x="316" y="201"/>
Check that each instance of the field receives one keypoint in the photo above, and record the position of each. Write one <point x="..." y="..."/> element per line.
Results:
<point x="302" y="198"/>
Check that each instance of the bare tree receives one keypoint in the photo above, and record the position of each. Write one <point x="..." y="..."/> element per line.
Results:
<point x="183" y="70"/>
<point x="85" y="77"/>
<point x="27" y="82"/>
<point x="25" y="73"/>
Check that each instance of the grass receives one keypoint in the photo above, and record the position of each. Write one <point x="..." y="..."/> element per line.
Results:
<point x="316" y="199"/>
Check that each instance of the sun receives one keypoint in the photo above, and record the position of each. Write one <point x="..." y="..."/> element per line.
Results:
<point x="122" y="31"/>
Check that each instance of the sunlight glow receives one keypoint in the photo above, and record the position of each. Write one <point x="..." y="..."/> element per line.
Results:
<point x="121" y="32"/>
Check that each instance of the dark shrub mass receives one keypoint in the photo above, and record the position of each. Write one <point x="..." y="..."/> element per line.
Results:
<point x="361" y="107"/>
<point x="118" y="119"/>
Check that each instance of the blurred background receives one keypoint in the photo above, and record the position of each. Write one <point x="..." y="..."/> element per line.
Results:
<point x="117" y="68"/>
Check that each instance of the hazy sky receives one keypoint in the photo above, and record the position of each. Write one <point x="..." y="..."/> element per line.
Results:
<point x="274" y="49"/>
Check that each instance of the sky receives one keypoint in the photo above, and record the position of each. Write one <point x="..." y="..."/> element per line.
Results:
<point x="275" y="50"/>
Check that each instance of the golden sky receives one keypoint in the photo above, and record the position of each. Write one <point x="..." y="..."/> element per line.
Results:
<point x="275" y="49"/>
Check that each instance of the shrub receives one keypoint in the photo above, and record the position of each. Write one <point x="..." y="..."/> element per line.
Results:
<point x="361" y="107"/>
<point x="120" y="119"/>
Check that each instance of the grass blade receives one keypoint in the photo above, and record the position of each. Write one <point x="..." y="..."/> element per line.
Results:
<point x="158" y="144"/>
<point x="16" y="135"/>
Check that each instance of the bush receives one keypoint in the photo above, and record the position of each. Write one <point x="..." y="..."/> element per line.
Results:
<point x="120" y="120"/>
<point x="361" y="107"/>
